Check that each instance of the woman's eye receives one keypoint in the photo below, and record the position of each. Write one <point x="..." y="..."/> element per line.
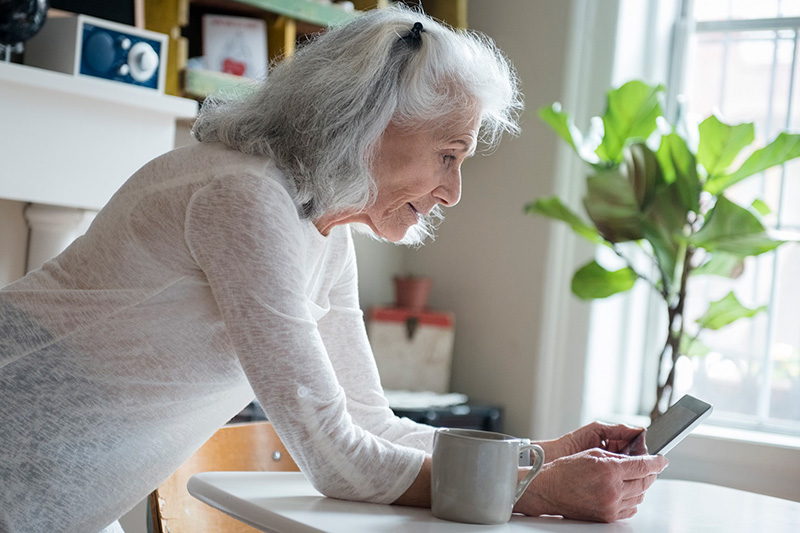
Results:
<point x="449" y="158"/>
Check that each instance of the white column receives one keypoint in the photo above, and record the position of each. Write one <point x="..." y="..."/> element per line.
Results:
<point x="53" y="228"/>
<point x="13" y="241"/>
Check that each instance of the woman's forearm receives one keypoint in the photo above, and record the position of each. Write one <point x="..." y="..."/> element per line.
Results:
<point x="419" y="493"/>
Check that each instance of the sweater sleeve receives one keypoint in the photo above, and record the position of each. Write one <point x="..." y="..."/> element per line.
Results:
<point x="245" y="235"/>
<point x="345" y="338"/>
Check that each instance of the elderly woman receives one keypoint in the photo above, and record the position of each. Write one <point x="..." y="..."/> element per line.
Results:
<point x="226" y="268"/>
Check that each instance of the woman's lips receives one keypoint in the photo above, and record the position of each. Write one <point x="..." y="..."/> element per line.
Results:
<point x="423" y="212"/>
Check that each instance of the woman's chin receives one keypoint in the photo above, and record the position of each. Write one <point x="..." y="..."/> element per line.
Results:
<point x="395" y="235"/>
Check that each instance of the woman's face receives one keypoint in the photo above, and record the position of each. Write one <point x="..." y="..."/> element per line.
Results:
<point x="414" y="171"/>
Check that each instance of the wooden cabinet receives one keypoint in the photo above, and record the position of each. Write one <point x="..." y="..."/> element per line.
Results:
<point x="287" y="22"/>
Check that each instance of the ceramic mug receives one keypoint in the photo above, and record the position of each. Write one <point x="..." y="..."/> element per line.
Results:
<point x="474" y="475"/>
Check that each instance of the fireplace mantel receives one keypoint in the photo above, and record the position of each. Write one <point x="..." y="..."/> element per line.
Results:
<point x="72" y="141"/>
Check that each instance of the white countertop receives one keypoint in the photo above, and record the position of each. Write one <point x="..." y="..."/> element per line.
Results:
<point x="286" y="502"/>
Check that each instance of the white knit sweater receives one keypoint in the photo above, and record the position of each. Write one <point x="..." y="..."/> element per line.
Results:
<point x="196" y="286"/>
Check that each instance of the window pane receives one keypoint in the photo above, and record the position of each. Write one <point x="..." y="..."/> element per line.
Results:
<point x="789" y="8"/>
<point x="737" y="73"/>
<point x="712" y="10"/>
<point x="786" y="338"/>
<point x="730" y="376"/>
<point x="746" y="77"/>
<point x="707" y="74"/>
<point x="748" y="9"/>
<point x="745" y="9"/>
<point x="790" y="215"/>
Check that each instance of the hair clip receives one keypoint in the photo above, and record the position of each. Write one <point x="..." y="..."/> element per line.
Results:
<point x="416" y="30"/>
<point x="414" y="37"/>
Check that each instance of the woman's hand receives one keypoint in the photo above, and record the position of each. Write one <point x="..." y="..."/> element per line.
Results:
<point x="594" y="484"/>
<point x="617" y="438"/>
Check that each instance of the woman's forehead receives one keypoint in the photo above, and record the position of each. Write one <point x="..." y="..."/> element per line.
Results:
<point x="462" y="130"/>
<point x="458" y="129"/>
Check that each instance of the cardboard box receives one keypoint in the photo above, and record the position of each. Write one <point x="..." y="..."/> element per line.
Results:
<point x="413" y="350"/>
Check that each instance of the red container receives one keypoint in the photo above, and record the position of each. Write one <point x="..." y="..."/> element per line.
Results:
<point x="412" y="292"/>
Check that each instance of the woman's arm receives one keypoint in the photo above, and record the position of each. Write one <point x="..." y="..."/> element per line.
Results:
<point x="419" y="493"/>
<point x="612" y="437"/>
<point x="246" y="237"/>
<point x="345" y="338"/>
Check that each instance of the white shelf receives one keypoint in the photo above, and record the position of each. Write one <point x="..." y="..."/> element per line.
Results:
<point x="96" y="89"/>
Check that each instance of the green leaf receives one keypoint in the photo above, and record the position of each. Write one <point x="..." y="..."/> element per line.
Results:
<point x="721" y="264"/>
<point x="762" y="208"/>
<point x="562" y="124"/>
<point x="593" y="281"/>
<point x="644" y="172"/>
<point x="679" y="166"/>
<point x="733" y="229"/>
<point x="782" y="149"/>
<point x="611" y="204"/>
<point x="663" y="226"/>
<point x="691" y="347"/>
<point x="725" y="311"/>
<point x="720" y="144"/>
<point x="631" y="114"/>
<point x="552" y="207"/>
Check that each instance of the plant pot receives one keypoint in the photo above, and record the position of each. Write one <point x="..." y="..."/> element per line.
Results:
<point x="412" y="292"/>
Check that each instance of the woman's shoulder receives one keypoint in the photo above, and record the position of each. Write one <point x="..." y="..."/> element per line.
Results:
<point x="218" y="159"/>
<point x="208" y="162"/>
<point x="253" y="184"/>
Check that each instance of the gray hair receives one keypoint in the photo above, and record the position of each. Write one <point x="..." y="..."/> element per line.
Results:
<point x="321" y="113"/>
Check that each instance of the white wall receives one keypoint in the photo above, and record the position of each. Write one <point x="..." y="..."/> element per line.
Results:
<point x="378" y="263"/>
<point x="489" y="260"/>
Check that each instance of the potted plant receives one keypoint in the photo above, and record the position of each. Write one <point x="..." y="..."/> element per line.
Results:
<point x="649" y="191"/>
<point x="411" y="292"/>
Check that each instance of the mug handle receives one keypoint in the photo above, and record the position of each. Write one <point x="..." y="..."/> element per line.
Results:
<point x="538" y="463"/>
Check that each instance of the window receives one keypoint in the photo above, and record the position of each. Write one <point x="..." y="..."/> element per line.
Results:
<point x="742" y="63"/>
<point x="740" y="60"/>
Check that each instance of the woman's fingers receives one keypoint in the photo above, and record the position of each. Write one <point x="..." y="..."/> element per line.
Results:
<point x="639" y="466"/>
<point x="637" y="445"/>
<point x="629" y="503"/>
<point x="628" y="507"/>
<point x="612" y="437"/>
<point x="627" y="513"/>
<point x="634" y="487"/>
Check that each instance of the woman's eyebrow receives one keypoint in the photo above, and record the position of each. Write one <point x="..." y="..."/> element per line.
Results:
<point x="467" y="146"/>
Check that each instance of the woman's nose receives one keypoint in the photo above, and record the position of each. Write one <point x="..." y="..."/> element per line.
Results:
<point x="448" y="193"/>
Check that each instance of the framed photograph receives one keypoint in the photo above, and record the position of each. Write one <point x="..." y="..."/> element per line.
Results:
<point x="235" y="45"/>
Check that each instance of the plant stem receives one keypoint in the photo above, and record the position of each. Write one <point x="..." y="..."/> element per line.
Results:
<point x="649" y="281"/>
<point x="664" y="391"/>
<point x="656" y="412"/>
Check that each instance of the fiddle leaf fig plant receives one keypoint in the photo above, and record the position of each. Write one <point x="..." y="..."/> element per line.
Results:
<point x="649" y="192"/>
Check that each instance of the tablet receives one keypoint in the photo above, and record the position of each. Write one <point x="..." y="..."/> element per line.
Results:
<point x="675" y="424"/>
